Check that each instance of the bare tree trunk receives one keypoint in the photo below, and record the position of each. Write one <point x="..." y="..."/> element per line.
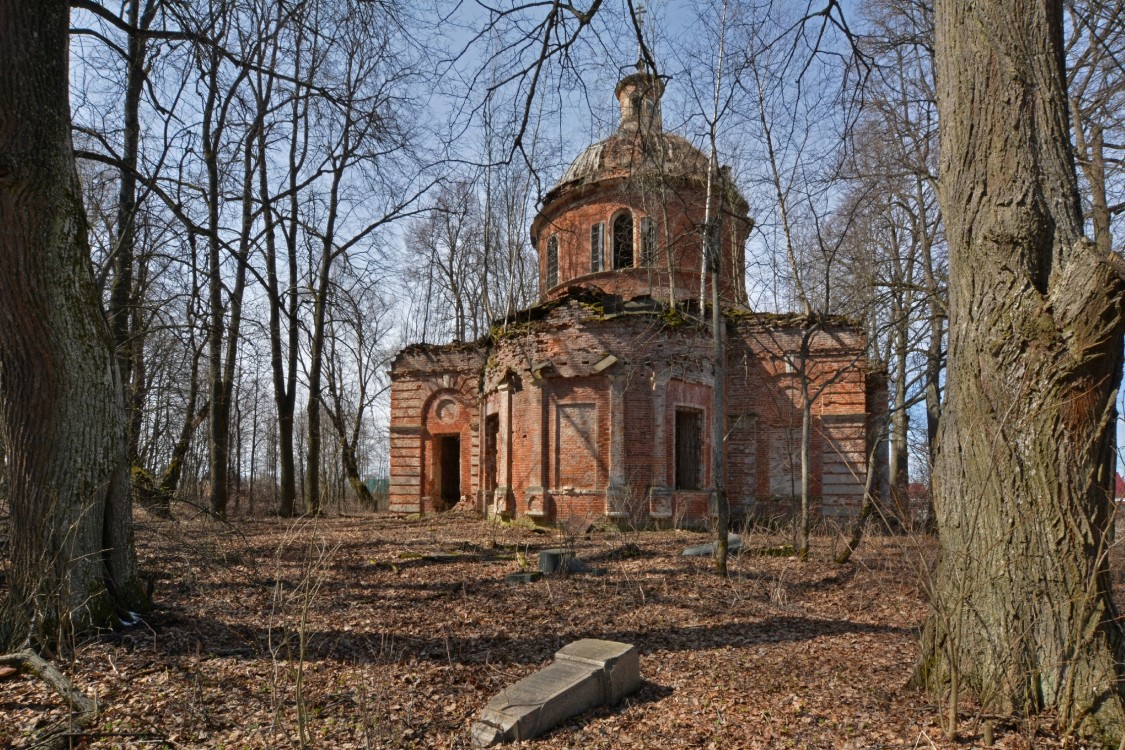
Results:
<point x="316" y="359"/>
<point x="283" y="360"/>
<point x="158" y="497"/>
<point x="712" y="253"/>
<point x="234" y="302"/>
<point x="349" y="438"/>
<point x="223" y="339"/>
<point x="898" y="463"/>
<point x="219" y="425"/>
<point x="62" y="413"/>
<point x="123" y="296"/>
<point x="316" y="347"/>
<point x="718" y="412"/>
<point x="807" y="399"/>
<point x="935" y="350"/>
<point x="1021" y="612"/>
<point x="1096" y="89"/>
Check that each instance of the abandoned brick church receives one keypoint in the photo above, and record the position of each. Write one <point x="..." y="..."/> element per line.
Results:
<point x="597" y="401"/>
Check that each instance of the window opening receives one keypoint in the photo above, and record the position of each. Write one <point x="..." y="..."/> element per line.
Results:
<point x="689" y="449"/>
<point x="623" y="241"/>
<point x="491" y="448"/>
<point x="597" y="240"/>
<point x="552" y="261"/>
<point x="712" y="242"/>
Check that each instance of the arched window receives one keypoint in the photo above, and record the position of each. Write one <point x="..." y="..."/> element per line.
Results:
<point x="597" y="240"/>
<point x="552" y="261"/>
<point x="623" y="241"/>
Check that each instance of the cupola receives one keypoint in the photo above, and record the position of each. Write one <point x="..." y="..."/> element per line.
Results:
<point x="626" y="216"/>
<point x="639" y="96"/>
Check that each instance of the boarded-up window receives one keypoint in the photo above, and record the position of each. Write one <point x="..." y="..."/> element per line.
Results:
<point x="689" y="449"/>
<point x="843" y="470"/>
<point x="597" y="245"/>
<point x="576" y="445"/>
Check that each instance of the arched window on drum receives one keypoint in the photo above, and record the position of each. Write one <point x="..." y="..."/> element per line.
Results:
<point x="623" y="240"/>
<point x="552" y="261"/>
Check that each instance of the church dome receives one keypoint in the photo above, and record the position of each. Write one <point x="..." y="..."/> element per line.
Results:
<point x="640" y="150"/>
<point x="628" y="214"/>
<point x="635" y="154"/>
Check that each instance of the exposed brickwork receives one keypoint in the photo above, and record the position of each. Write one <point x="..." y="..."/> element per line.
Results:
<point x="678" y="213"/>
<point x="434" y="393"/>
<point x="571" y="407"/>
<point x="554" y="384"/>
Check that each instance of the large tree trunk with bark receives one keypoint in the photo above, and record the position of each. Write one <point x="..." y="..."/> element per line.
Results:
<point x="1021" y="612"/>
<point x="61" y="406"/>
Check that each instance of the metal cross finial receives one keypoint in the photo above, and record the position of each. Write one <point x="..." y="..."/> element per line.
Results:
<point x="640" y="13"/>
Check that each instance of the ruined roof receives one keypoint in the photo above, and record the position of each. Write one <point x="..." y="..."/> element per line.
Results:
<point x="611" y="305"/>
<point x="637" y="155"/>
<point x="638" y="152"/>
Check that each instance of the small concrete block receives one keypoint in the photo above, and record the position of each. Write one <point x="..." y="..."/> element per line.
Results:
<point x="618" y="664"/>
<point x="485" y="735"/>
<point x="555" y="560"/>
<point x="522" y="577"/>
<point x="563" y="561"/>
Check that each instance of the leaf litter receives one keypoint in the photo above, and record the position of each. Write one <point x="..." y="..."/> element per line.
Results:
<point x="390" y="632"/>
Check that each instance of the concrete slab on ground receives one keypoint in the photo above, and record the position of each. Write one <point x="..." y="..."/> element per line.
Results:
<point x="586" y="673"/>
<point x="734" y="542"/>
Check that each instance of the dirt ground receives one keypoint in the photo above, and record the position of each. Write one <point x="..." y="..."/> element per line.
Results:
<point x="384" y="632"/>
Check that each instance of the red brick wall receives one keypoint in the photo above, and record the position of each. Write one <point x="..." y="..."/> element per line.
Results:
<point x="529" y="441"/>
<point x="434" y="392"/>
<point x="552" y="364"/>
<point x="678" y="217"/>
<point x="764" y="386"/>
<point x="644" y="462"/>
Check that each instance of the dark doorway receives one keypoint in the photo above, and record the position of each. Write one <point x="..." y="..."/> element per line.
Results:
<point x="449" y="468"/>
<point x="491" y="437"/>
<point x="689" y="449"/>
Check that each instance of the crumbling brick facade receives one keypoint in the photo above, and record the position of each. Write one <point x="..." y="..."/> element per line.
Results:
<point x="599" y="400"/>
<point x="435" y="424"/>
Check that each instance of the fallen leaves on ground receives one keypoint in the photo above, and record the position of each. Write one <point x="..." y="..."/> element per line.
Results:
<point x="386" y="632"/>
